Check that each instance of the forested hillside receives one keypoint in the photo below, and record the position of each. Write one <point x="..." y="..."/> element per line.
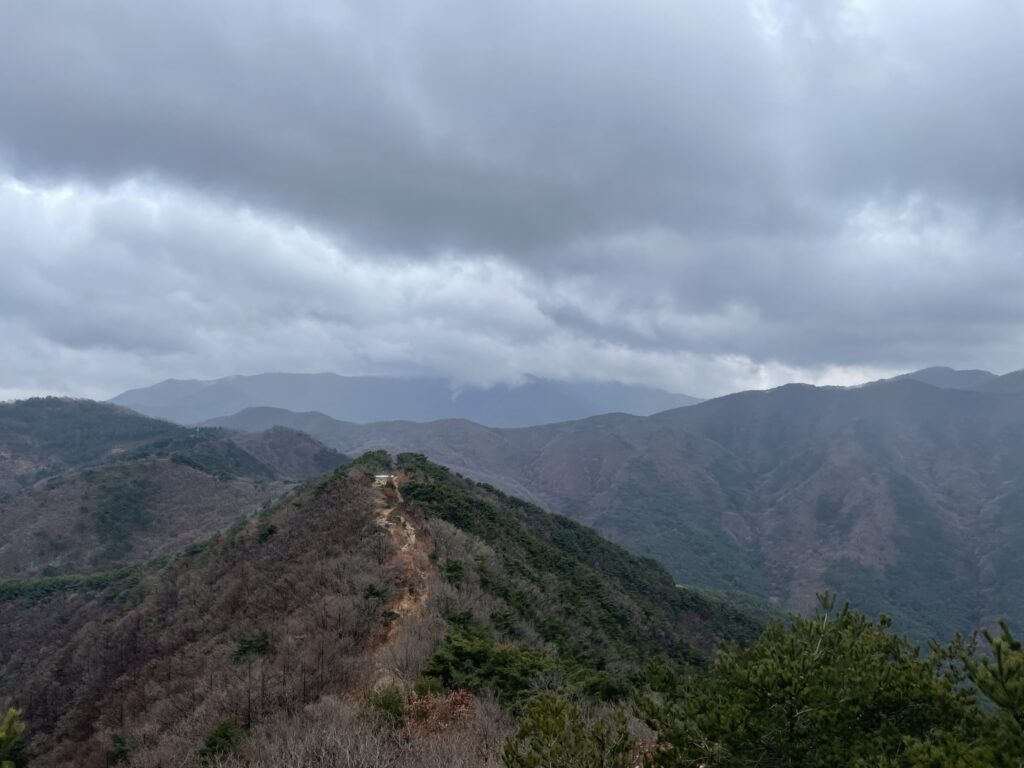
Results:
<point x="437" y="622"/>
<point x="344" y="591"/>
<point x="90" y="486"/>
<point x="44" y="436"/>
<point x="903" y="496"/>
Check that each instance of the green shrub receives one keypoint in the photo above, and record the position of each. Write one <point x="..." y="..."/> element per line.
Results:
<point x="34" y="589"/>
<point x="12" y="740"/>
<point x="120" y="750"/>
<point x="388" y="705"/>
<point x="553" y="732"/>
<point x="251" y="646"/>
<point x="454" y="571"/>
<point x="469" y="660"/>
<point x="373" y="592"/>
<point x="374" y="462"/>
<point x="223" y="740"/>
<point x="505" y="622"/>
<point x="429" y="686"/>
<point x="829" y="691"/>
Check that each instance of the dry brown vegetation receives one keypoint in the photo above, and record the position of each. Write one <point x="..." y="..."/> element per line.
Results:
<point x="346" y="627"/>
<point x="337" y="732"/>
<point x="293" y="455"/>
<point x="86" y="487"/>
<point x="329" y="603"/>
<point x="170" y="664"/>
<point x="120" y="513"/>
<point x="903" y="497"/>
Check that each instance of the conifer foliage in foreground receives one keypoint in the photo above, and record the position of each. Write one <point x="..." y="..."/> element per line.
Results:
<point x="828" y="691"/>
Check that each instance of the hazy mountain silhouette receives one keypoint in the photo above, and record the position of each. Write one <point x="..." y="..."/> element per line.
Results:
<point x="1010" y="383"/>
<point x="950" y="378"/>
<point x="365" y="399"/>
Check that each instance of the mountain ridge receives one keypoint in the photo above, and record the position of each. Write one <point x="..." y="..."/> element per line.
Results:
<point x="438" y="585"/>
<point x="866" y="490"/>
<point x="363" y="399"/>
<point x="979" y="380"/>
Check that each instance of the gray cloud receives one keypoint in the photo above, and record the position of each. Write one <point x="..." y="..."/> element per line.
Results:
<point x="703" y="196"/>
<point x="468" y="125"/>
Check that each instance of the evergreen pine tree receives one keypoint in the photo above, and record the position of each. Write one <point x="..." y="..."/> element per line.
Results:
<point x="12" y="741"/>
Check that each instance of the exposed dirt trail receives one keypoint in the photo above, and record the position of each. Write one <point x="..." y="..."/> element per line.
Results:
<point x="410" y="562"/>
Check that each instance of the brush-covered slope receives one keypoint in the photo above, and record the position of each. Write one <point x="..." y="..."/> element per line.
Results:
<point x="337" y="592"/>
<point x="121" y="512"/>
<point x="91" y="486"/>
<point x="902" y="496"/>
<point x="44" y="436"/>
<point x="294" y="455"/>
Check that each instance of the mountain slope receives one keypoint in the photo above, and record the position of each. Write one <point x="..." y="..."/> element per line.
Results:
<point x="903" y="496"/>
<point x="949" y="378"/>
<point x="92" y="486"/>
<point x="44" y="436"/>
<point x="293" y="454"/>
<point x="120" y="513"/>
<point x="1010" y="383"/>
<point x="336" y="592"/>
<point x="364" y="399"/>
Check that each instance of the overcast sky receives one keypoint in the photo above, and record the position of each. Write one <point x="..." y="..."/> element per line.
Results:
<point x="702" y="196"/>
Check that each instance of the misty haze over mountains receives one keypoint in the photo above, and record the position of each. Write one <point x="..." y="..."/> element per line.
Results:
<point x="903" y="495"/>
<point x="782" y="492"/>
<point x="364" y="399"/>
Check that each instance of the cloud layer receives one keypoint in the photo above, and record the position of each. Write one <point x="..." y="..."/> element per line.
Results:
<point x="698" y="196"/>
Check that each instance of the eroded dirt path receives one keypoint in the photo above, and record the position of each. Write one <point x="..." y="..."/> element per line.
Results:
<point x="409" y="565"/>
<point x="410" y="561"/>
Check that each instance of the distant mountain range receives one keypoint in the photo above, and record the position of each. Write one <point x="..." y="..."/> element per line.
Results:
<point x="904" y="496"/>
<point x="364" y="399"/>
<point x="977" y="380"/>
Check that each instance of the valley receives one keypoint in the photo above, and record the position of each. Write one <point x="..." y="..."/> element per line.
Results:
<point x="901" y="496"/>
<point x="233" y="597"/>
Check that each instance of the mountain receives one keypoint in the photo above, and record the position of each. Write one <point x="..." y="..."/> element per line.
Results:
<point x="91" y="486"/>
<point x="904" y="497"/>
<point x="364" y="399"/>
<point x="329" y="619"/>
<point x="1010" y="383"/>
<point x="293" y="454"/>
<point x="44" y="436"/>
<point x="976" y="380"/>
<point x="950" y="378"/>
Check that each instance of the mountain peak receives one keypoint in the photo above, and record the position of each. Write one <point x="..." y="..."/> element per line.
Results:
<point x="945" y="377"/>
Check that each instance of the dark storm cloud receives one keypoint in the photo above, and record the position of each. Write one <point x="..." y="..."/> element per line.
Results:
<point x="459" y="124"/>
<point x="702" y="195"/>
